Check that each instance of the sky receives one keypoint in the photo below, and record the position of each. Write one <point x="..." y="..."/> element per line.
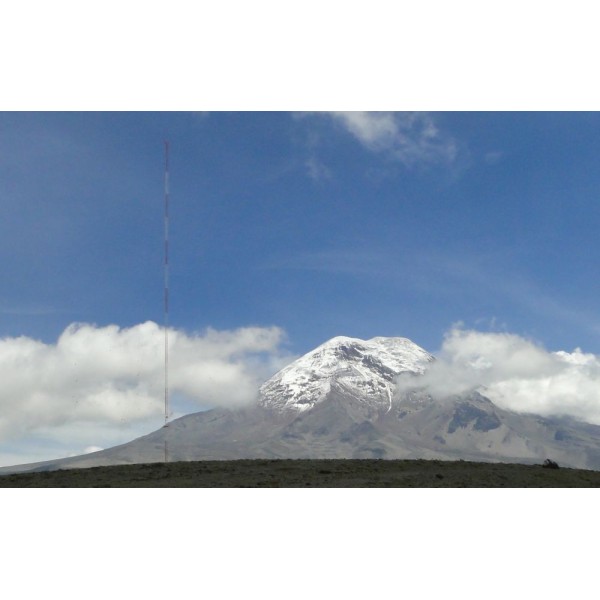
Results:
<point x="286" y="229"/>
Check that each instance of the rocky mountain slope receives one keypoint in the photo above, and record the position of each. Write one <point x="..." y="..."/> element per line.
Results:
<point x="339" y="401"/>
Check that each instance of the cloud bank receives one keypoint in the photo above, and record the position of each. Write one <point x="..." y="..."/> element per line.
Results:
<point x="515" y="373"/>
<point x="105" y="376"/>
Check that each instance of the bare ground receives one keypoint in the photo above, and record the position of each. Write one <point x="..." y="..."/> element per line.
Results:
<point x="309" y="473"/>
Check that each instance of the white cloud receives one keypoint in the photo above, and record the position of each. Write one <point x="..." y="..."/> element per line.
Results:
<point x="107" y="379"/>
<point x="409" y="137"/>
<point x="516" y="374"/>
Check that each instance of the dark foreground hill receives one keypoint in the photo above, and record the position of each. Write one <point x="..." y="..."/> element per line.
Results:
<point x="364" y="473"/>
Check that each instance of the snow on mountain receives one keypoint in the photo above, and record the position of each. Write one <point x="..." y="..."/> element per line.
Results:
<point x="364" y="369"/>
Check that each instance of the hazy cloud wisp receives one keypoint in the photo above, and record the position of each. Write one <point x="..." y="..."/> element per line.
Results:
<point x="409" y="137"/>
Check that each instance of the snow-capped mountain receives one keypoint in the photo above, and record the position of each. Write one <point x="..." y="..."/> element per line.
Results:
<point x="339" y="401"/>
<point x="365" y="369"/>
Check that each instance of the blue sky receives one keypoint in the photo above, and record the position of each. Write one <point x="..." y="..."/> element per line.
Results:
<point x="286" y="229"/>
<point x="305" y="221"/>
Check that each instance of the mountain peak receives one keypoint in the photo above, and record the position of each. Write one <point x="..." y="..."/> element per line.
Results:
<point x="365" y="368"/>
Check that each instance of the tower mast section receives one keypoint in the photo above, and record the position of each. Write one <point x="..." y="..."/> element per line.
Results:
<point x="166" y="292"/>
